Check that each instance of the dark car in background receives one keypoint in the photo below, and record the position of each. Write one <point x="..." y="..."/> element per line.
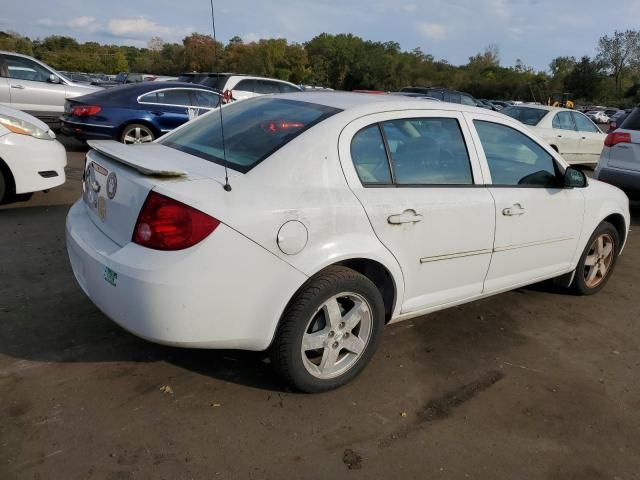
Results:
<point x="617" y="118"/>
<point x="192" y="77"/>
<point x="446" y="95"/>
<point x="136" y="113"/>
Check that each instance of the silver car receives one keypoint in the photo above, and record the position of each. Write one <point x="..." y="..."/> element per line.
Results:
<point x="34" y="87"/>
<point x="619" y="162"/>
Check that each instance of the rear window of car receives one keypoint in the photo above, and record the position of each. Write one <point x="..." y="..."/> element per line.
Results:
<point x="526" y="115"/>
<point x="253" y="130"/>
<point x="632" y="122"/>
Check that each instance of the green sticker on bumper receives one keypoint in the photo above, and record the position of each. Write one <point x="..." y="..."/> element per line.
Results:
<point x="110" y="276"/>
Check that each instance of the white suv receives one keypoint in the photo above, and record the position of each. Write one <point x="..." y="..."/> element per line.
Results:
<point x="241" y="87"/>
<point x="34" y="87"/>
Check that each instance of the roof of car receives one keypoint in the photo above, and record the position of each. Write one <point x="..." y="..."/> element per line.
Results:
<point x="376" y="102"/>
<point x="132" y="90"/>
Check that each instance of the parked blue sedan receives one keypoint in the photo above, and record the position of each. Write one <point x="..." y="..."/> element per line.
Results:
<point x="136" y="113"/>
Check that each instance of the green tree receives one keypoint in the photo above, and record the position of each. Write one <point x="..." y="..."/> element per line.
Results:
<point x="585" y="79"/>
<point x="618" y="52"/>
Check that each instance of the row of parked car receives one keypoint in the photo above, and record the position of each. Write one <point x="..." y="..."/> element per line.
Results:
<point x="142" y="111"/>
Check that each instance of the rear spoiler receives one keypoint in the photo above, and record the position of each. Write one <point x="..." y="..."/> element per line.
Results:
<point x="143" y="158"/>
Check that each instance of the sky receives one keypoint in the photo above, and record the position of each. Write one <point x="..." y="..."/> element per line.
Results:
<point x="534" y="31"/>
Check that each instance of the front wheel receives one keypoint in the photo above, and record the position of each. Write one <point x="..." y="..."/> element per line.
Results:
<point x="329" y="331"/>
<point x="137" y="133"/>
<point x="597" y="261"/>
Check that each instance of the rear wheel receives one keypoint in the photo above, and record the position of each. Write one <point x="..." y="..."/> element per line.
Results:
<point x="3" y="187"/>
<point x="329" y="331"/>
<point x="137" y="133"/>
<point x="597" y="261"/>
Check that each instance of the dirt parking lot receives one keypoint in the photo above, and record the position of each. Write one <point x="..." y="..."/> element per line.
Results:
<point x="532" y="384"/>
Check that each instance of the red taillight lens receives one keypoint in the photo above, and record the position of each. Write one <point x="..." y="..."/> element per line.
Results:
<point x="277" y="126"/>
<point x="85" y="110"/>
<point x="615" y="138"/>
<point x="166" y="224"/>
<point x="227" y="96"/>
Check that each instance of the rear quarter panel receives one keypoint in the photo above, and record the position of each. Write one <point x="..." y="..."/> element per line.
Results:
<point x="302" y="181"/>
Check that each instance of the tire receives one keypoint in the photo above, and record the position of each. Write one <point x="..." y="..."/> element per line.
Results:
<point x="136" y="133"/>
<point x="342" y="313"/>
<point x="588" y="281"/>
<point x="3" y="188"/>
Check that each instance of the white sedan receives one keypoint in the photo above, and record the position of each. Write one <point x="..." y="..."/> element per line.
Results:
<point x="31" y="159"/>
<point x="598" y="116"/>
<point x="570" y="133"/>
<point x="342" y="212"/>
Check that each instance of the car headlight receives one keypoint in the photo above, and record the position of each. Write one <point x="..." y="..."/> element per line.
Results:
<point x="22" y="127"/>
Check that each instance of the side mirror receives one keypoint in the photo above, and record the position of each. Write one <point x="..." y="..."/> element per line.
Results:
<point x="54" y="78"/>
<point x="574" y="178"/>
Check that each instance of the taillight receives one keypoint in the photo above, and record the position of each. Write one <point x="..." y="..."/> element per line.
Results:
<point x="277" y="126"/>
<point x="227" y="96"/>
<point x="614" y="138"/>
<point x="166" y="224"/>
<point x="85" y="110"/>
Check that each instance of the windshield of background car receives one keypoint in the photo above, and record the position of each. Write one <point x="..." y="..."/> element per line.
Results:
<point x="253" y="130"/>
<point x="526" y="115"/>
<point x="632" y="122"/>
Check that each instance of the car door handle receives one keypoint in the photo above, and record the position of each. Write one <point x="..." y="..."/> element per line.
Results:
<point x="19" y="87"/>
<point x="514" y="210"/>
<point x="408" y="216"/>
<point x="157" y="113"/>
<point x="559" y="136"/>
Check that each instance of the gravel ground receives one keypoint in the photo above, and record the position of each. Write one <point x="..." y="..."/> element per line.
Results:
<point x="530" y="384"/>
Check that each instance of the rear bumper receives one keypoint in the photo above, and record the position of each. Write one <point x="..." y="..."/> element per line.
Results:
<point x="226" y="292"/>
<point x="35" y="164"/>
<point x="87" y="131"/>
<point x="626" y="180"/>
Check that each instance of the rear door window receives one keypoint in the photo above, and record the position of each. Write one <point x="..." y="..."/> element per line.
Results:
<point x="265" y="87"/>
<point x="428" y="151"/>
<point x="563" y="121"/>
<point x="246" y="85"/>
<point x="177" y="97"/>
<point x="583" y="123"/>
<point x="204" y="99"/>
<point x="286" y="88"/>
<point x="454" y="97"/>
<point x="253" y="130"/>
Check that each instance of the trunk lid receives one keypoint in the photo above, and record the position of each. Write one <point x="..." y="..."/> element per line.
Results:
<point x="626" y="156"/>
<point x="119" y="177"/>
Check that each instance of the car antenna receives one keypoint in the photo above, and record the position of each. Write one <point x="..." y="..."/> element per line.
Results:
<point x="227" y="185"/>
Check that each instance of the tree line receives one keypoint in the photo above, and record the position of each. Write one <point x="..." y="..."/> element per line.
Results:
<point x="348" y="62"/>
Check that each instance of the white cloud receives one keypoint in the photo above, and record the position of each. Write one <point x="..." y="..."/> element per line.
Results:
<point x="79" y="24"/>
<point x="433" y="31"/>
<point x="84" y="24"/>
<point x="137" y="27"/>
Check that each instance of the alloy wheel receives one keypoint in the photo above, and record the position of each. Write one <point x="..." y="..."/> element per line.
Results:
<point x="336" y="335"/>
<point x="599" y="260"/>
<point x="138" y="135"/>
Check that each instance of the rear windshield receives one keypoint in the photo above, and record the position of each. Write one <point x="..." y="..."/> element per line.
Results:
<point x="528" y="116"/>
<point x="253" y="130"/>
<point x="632" y="122"/>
